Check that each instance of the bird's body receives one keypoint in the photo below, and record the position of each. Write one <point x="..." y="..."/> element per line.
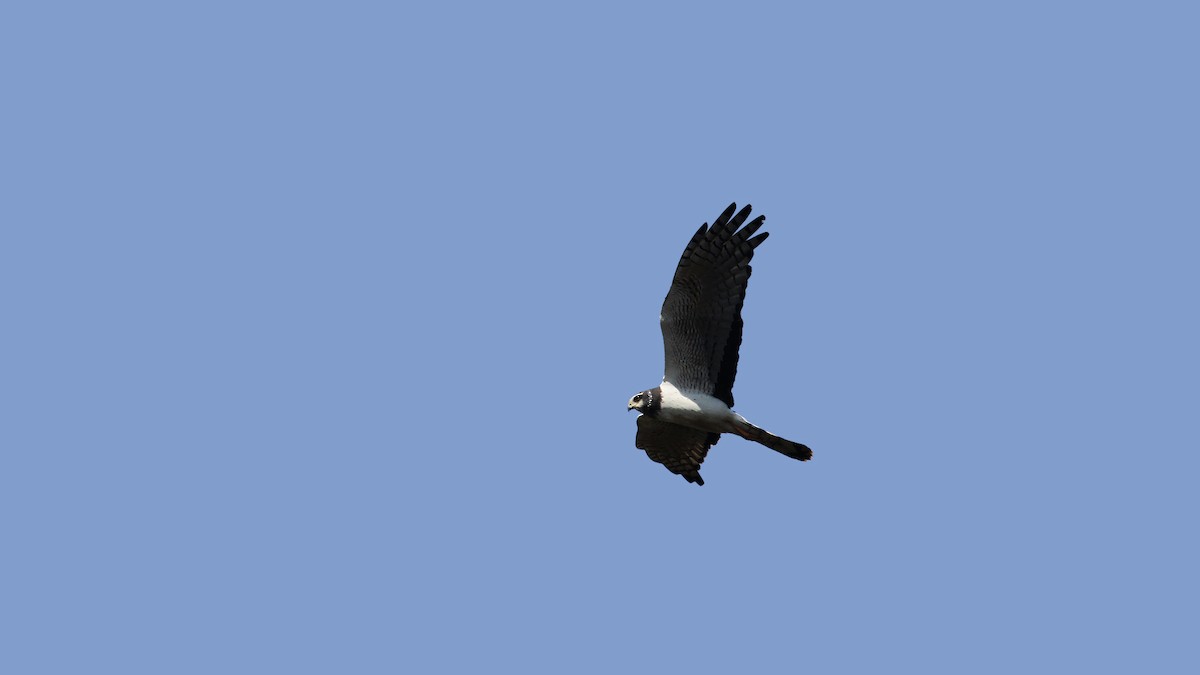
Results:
<point x="702" y="330"/>
<point x="695" y="409"/>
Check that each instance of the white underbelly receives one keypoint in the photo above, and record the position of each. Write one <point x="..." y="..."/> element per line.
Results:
<point x="696" y="410"/>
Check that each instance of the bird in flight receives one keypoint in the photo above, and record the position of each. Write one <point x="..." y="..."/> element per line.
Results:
<point x="701" y="323"/>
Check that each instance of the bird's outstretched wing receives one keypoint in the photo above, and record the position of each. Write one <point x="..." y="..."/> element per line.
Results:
<point x="681" y="449"/>
<point x="702" y="315"/>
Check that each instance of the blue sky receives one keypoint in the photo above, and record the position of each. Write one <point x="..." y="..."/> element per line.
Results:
<point x="321" y="320"/>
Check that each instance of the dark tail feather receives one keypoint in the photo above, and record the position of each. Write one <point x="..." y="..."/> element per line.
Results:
<point x="781" y="445"/>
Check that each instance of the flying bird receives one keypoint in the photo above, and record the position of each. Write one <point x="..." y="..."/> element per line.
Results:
<point x="701" y="322"/>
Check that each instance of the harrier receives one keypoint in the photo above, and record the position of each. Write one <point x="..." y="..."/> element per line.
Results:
<point x="701" y="323"/>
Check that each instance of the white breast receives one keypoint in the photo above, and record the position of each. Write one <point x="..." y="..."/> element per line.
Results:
<point x="695" y="409"/>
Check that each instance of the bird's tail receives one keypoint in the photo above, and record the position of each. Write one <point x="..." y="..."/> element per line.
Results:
<point x="781" y="445"/>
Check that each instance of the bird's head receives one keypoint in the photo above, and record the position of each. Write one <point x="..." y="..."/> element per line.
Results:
<point x="646" y="402"/>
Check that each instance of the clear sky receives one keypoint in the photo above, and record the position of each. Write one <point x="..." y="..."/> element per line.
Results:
<point x="320" y="320"/>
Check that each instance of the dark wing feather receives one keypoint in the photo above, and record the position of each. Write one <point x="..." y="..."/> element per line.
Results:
<point x="681" y="449"/>
<point x="702" y="315"/>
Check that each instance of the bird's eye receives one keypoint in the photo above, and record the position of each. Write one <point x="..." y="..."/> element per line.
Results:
<point x="637" y="398"/>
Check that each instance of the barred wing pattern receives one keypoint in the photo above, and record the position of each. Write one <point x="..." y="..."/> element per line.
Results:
<point x="701" y="317"/>
<point x="681" y="449"/>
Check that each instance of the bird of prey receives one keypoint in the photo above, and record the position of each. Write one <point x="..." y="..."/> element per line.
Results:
<point x="701" y="323"/>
